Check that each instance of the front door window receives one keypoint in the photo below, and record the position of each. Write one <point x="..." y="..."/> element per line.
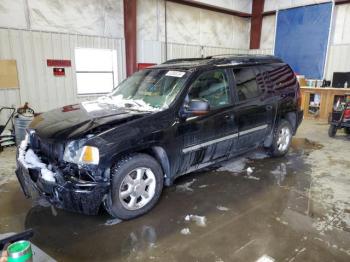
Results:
<point x="213" y="87"/>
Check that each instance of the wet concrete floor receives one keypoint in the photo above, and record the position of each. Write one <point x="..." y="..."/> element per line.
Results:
<point x="294" y="208"/>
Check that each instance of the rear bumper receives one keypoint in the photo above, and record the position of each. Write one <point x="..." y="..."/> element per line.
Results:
<point x="66" y="193"/>
<point x="300" y="116"/>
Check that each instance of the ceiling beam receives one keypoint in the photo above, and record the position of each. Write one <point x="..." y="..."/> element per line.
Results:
<point x="211" y="8"/>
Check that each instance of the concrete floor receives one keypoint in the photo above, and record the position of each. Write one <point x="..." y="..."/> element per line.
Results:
<point x="294" y="208"/>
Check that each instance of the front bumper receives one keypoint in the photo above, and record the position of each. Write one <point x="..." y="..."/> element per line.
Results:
<point x="64" y="192"/>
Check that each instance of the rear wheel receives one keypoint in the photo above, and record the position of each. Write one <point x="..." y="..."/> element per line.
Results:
<point x="347" y="130"/>
<point x="137" y="182"/>
<point x="282" y="139"/>
<point x="332" y="130"/>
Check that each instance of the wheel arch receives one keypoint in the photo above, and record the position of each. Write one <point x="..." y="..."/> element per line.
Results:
<point x="155" y="151"/>
<point x="289" y="116"/>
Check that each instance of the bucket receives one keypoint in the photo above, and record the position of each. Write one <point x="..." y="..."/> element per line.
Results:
<point x="20" y="251"/>
<point x="21" y="124"/>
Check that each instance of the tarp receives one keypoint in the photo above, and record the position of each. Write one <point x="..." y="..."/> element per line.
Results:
<point x="302" y="38"/>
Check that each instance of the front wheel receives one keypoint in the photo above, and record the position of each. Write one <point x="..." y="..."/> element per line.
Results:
<point x="282" y="139"/>
<point x="332" y="130"/>
<point x="137" y="183"/>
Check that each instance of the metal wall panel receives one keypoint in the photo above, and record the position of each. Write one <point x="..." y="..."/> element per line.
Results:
<point x="271" y="5"/>
<point x="38" y="86"/>
<point x="182" y="51"/>
<point x="260" y="51"/>
<point x="338" y="60"/>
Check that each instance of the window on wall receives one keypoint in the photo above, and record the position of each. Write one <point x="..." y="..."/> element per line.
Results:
<point x="96" y="70"/>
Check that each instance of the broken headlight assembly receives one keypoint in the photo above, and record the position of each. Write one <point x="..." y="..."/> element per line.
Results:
<point x="76" y="153"/>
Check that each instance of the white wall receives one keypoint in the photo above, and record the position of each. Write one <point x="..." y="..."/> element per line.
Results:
<point x="267" y="40"/>
<point x="188" y="29"/>
<point x="32" y="31"/>
<point x="37" y="85"/>
<point x="87" y="17"/>
<point x="271" y="5"/>
<point x="339" y="50"/>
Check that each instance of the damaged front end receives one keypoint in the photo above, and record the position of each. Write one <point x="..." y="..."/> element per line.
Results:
<point x="42" y="168"/>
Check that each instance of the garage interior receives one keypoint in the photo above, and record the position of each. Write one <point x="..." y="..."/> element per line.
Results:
<point x="250" y="208"/>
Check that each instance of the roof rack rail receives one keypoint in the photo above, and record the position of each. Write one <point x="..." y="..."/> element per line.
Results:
<point x="184" y="60"/>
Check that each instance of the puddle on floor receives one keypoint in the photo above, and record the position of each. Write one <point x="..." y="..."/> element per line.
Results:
<point x="243" y="216"/>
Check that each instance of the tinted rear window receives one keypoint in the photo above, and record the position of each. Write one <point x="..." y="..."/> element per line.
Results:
<point x="246" y="83"/>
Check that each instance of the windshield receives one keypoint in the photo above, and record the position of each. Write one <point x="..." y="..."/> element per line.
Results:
<point x="150" y="89"/>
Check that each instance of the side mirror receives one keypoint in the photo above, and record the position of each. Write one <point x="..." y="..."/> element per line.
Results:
<point x="197" y="107"/>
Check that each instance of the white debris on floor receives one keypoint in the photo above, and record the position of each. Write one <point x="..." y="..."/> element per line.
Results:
<point x="249" y="175"/>
<point x="236" y="165"/>
<point x="185" y="231"/>
<point x="252" y="177"/>
<point x="222" y="208"/>
<point x="112" y="222"/>
<point x="186" y="186"/>
<point x="203" y="186"/>
<point x="265" y="258"/>
<point x="200" y="220"/>
<point x="281" y="221"/>
<point x="249" y="171"/>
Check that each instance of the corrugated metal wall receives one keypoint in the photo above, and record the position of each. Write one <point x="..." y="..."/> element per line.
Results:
<point x="38" y="86"/>
<point x="338" y="60"/>
<point x="181" y="51"/>
<point x="175" y="50"/>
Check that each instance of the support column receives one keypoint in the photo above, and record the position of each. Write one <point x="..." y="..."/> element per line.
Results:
<point x="256" y="23"/>
<point x="130" y="35"/>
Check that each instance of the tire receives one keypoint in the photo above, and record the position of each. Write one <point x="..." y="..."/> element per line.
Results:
<point x="282" y="139"/>
<point x="347" y="130"/>
<point x="332" y="130"/>
<point x="122" y="204"/>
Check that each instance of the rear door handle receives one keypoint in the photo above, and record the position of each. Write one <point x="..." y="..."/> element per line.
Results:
<point x="269" y="107"/>
<point x="229" y="117"/>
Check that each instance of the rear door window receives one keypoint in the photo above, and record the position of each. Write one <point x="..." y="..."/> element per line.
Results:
<point x="246" y="83"/>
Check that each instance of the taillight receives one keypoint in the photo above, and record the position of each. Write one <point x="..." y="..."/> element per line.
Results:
<point x="347" y="113"/>
<point x="299" y="98"/>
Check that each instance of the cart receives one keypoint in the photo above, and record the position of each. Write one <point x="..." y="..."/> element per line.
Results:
<point x="340" y="117"/>
<point x="7" y="137"/>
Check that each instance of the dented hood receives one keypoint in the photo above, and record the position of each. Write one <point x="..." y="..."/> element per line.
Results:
<point x="73" y="121"/>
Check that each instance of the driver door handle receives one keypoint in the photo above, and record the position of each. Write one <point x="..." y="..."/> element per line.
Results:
<point x="269" y="107"/>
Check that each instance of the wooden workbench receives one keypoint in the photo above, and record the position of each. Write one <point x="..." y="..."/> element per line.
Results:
<point x="326" y="102"/>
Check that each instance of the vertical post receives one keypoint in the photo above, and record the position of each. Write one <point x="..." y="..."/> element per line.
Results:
<point x="256" y="23"/>
<point x="130" y="35"/>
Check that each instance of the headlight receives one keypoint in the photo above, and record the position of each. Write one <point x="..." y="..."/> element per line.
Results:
<point x="76" y="153"/>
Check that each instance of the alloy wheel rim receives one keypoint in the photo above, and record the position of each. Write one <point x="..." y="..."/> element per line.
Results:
<point x="284" y="138"/>
<point x="137" y="188"/>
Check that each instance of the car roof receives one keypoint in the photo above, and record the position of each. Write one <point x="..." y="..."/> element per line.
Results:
<point x="219" y="61"/>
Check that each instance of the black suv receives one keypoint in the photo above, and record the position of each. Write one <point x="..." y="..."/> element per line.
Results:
<point x="157" y="125"/>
